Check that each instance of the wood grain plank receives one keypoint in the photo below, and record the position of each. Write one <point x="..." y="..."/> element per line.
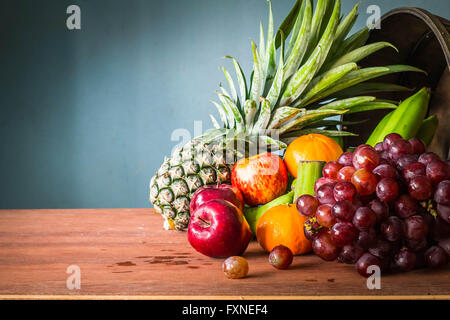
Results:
<point x="126" y="253"/>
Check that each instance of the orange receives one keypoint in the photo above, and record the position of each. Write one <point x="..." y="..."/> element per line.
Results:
<point x="283" y="225"/>
<point x="310" y="147"/>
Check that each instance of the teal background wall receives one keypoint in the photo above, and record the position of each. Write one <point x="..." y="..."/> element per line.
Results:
<point x="86" y="116"/>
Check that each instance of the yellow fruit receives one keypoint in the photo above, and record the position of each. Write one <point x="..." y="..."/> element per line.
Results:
<point x="283" y="225"/>
<point x="310" y="147"/>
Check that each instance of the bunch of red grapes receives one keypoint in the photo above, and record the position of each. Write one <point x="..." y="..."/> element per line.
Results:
<point x="387" y="205"/>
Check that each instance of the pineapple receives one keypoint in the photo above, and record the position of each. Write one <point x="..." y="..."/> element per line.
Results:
<point x="316" y="77"/>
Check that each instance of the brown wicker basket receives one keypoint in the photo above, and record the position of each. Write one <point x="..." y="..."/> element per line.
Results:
<point x="423" y="41"/>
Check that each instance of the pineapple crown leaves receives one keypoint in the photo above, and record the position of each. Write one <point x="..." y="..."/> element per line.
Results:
<point x="317" y="75"/>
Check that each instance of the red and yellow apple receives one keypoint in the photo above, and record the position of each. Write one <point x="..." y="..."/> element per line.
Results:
<point x="260" y="178"/>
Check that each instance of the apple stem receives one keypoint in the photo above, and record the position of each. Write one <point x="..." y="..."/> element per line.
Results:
<point x="204" y="221"/>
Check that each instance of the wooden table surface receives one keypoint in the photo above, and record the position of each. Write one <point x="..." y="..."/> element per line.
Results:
<point x="125" y="253"/>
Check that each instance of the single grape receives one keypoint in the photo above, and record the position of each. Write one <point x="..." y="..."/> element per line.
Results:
<point x="364" y="262"/>
<point x="350" y="253"/>
<point x="381" y="209"/>
<point x="364" y="181"/>
<point x="416" y="245"/>
<point x="379" y="147"/>
<point x="385" y="171"/>
<point x="444" y="212"/>
<point x="437" y="171"/>
<point x="387" y="141"/>
<point x="307" y="205"/>
<point x="364" y="218"/>
<point x="311" y="228"/>
<point x="346" y="173"/>
<point x="343" y="233"/>
<point x="281" y="257"/>
<point x="428" y="157"/>
<point x="442" y="193"/>
<point x="439" y="229"/>
<point x="366" y="157"/>
<point x="405" y="160"/>
<point x="445" y="244"/>
<point x="330" y="170"/>
<point x="385" y="157"/>
<point x="435" y="257"/>
<point x="324" y="247"/>
<point x="417" y="145"/>
<point x="320" y="182"/>
<point x="346" y="159"/>
<point x="365" y="145"/>
<point x="405" y="260"/>
<point x="343" y="210"/>
<point x="324" y="216"/>
<point x="406" y="206"/>
<point x="413" y="170"/>
<point x="382" y="248"/>
<point x="344" y="190"/>
<point x="366" y="239"/>
<point x="420" y="188"/>
<point x="387" y="189"/>
<point x="415" y="227"/>
<point x="399" y="148"/>
<point x="392" y="228"/>
<point x="235" y="267"/>
<point x="325" y="194"/>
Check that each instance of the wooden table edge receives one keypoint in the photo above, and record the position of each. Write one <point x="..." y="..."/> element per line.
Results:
<point x="164" y="297"/>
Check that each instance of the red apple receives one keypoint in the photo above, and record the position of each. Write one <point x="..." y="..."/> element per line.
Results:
<point x="218" y="229"/>
<point x="210" y="192"/>
<point x="260" y="178"/>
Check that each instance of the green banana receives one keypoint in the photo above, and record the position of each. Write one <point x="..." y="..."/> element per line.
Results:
<point x="427" y="129"/>
<point x="253" y="214"/>
<point x="378" y="129"/>
<point x="405" y="120"/>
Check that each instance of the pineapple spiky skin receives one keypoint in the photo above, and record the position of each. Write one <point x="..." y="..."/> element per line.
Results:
<point x="194" y="165"/>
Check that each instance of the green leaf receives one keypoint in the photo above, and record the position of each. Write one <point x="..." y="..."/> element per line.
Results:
<point x="270" y="141"/>
<point x="329" y="133"/>
<point x="261" y="41"/>
<point x="343" y="29"/>
<point x="263" y="118"/>
<point x="295" y="29"/>
<point x="250" y="108"/>
<point x="222" y="113"/>
<point x="324" y="81"/>
<point x="325" y="123"/>
<point x="214" y="122"/>
<point x="369" y="88"/>
<point x="298" y="50"/>
<point x="369" y="106"/>
<point x="241" y="78"/>
<point x="283" y="114"/>
<point x="308" y="117"/>
<point x="361" y="75"/>
<point x="303" y="76"/>
<point x="231" y="84"/>
<point x="347" y="103"/>
<point x="288" y="23"/>
<point x="258" y="77"/>
<point x="360" y="53"/>
<point x="231" y="106"/>
<point x="353" y="42"/>
<point x="275" y="88"/>
<point x="317" y="20"/>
